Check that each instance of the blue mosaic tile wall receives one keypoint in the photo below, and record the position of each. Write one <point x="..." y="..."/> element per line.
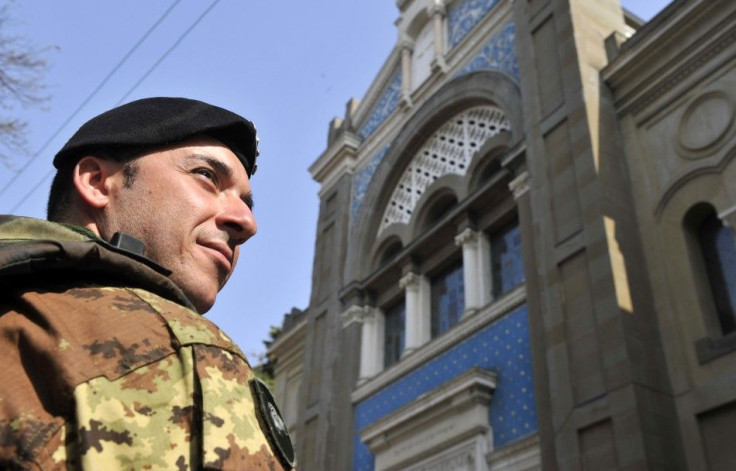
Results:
<point x="385" y="106"/>
<point x="502" y="347"/>
<point x="463" y="16"/>
<point x="363" y="178"/>
<point x="499" y="53"/>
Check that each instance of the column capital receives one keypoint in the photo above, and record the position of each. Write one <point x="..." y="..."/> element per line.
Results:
<point x="410" y="280"/>
<point x="357" y="315"/>
<point x="519" y="186"/>
<point x="467" y="235"/>
<point x="406" y="44"/>
<point x="438" y="8"/>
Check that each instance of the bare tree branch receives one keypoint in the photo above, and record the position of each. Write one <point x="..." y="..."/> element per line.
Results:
<point x="22" y="69"/>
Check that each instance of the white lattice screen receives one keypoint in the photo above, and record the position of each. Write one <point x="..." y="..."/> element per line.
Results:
<point x="448" y="151"/>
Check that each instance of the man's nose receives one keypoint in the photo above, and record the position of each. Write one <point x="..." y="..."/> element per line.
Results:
<point x="238" y="220"/>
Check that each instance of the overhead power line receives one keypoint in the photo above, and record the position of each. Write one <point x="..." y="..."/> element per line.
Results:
<point x="91" y="95"/>
<point x="169" y="51"/>
<point x="124" y="97"/>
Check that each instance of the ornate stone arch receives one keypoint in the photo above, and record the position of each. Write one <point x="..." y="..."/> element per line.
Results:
<point x="489" y="156"/>
<point x="483" y="88"/>
<point x="447" y="188"/>
<point x="449" y="150"/>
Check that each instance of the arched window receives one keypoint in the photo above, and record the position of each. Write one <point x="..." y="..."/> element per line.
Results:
<point x="719" y="255"/>
<point x="438" y="209"/>
<point x="388" y="252"/>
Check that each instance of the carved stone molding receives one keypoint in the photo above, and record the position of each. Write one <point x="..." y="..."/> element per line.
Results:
<point x="524" y="454"/>
<point x="405" y="438"/>
<point x="410" y="280"/>
<point x="438" y="8"/>
<point x="705" y="124"/>
<point x="519" y="186"/>
<point x="681" y="73"/>
<point x="357" y="314"/>
<point x="466" y="236"/>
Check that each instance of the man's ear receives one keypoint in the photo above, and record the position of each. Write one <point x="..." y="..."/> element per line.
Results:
<point x="93" y="179"/>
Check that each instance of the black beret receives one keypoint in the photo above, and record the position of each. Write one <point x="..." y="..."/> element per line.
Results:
<point x="162" y="121"/>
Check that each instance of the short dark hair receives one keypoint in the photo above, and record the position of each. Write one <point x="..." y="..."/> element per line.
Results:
<point x="61" y="195"/>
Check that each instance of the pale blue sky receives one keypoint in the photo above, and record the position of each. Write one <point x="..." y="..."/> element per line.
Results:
<point x="288" y="66"/>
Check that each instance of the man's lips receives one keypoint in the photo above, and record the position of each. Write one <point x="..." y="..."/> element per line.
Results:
<point x="222" y="251"/>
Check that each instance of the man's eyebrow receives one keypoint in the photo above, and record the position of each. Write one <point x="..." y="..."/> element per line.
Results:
<point x="219" y="166"/>
<point x="224" y="169"/>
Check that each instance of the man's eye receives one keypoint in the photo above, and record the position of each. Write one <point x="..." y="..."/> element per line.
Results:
<point x="207" y="173"/>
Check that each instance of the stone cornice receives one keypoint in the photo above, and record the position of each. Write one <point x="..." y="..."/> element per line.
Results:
<point x="640" y="79"/>
<point x="681" y="73"/>
<point x="474" y="385"/>
<point x="337" y="159"/>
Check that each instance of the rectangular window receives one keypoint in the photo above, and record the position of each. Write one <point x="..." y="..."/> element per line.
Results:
<point x="394" y="334"/>
<point x="506" y="260"/>
<point x="448" y="299"/>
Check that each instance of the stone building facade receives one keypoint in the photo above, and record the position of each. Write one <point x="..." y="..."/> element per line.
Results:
<point x="525" y="251"/>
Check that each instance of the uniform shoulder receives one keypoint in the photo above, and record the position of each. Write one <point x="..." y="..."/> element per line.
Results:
<point x="189" y="327"/>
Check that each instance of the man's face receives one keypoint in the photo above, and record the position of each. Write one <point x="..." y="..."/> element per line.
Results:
<point x="192" y="206"/>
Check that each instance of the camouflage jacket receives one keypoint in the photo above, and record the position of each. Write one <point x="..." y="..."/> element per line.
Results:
<point x="106" y="366"/>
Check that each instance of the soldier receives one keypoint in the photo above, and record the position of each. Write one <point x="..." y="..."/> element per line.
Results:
<point x="107" y="362"/>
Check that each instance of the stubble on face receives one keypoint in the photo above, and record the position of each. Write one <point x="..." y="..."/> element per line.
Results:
<point x="169" y="208"/>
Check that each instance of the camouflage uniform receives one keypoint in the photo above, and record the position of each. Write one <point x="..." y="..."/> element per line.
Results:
<point x="105" y="366"/>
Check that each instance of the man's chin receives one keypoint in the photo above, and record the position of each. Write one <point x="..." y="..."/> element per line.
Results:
<point x="202" y="308"/>
<point x="201" y="295"/>
<point x="203" y="302"/>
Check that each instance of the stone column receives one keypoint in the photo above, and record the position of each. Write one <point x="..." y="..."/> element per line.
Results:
<point x="438" y="18"/>
<point x="407" y="48"/>
<point x="371" y="338"/>
<point x="476" y="269"/>
<point x="417" y="297"/>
